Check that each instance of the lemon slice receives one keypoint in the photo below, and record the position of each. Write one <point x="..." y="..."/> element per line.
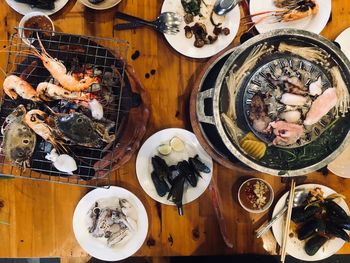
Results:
<point x="177" y="144"/>
<point x="256" y="149"/>
<point x="164" y="149"/>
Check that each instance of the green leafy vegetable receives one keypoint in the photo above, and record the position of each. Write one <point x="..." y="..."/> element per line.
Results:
<point x="192" y="7"/>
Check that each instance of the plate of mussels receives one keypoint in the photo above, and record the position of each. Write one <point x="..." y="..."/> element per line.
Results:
<point x="319" y="225"/>
<point x="48" y="7"/>
<point x="173" y="168"/>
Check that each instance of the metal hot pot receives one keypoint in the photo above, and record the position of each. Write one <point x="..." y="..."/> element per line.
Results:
<point x="250" y="63"/>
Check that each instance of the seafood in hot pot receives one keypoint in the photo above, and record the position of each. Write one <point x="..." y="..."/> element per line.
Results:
<point x="291" y="97"/>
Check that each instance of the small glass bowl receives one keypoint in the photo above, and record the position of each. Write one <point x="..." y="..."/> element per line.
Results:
<point x="251" y="209"/>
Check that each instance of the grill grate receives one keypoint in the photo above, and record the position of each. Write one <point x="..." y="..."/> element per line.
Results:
<point x="78" y="53"/>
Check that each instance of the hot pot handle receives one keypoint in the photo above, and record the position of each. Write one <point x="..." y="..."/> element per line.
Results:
<point x="201" y="96"/>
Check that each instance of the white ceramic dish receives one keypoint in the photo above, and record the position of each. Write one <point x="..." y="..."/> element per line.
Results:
<point x="295" y="247"/>
<point x="192" y="147"/>
<point x="97" y="247"/>
<point x="185" y="46"/>
<point x="314" y="23"/>
<point x="25" y="8"/>
<point x="106" y="4"/>
<point x="269" y="202"/>
<point x="25" y="18"/>
<point x="343" y="41"/>
<point x="341" y="165"/>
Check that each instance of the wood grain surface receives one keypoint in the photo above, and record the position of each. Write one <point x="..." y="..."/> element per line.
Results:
<point x="40" y="213"/>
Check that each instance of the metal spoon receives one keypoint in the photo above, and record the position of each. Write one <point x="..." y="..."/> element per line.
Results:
<point x="167" y="22"/>
<point x="222" y="7"/>
<point x="299" y="198"/>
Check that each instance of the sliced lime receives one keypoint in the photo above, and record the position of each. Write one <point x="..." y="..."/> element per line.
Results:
<point x="164" y="149"/>
<point x="177" y="144"/>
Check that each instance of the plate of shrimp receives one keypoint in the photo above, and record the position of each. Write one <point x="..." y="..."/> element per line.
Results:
<point x="310" y="15"/>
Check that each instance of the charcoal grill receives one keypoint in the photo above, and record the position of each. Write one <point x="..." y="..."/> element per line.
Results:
<point x="106" y="56"/>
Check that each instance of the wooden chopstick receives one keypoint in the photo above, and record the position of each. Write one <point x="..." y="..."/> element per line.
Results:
<point x="287" y="225"/>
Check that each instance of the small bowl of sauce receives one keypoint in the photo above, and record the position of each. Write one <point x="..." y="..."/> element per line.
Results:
<point x="35" y="20"/>
<point x="255" y="195"/>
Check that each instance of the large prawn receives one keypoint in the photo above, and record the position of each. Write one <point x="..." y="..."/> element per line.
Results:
<point x="59" y="71"/>
<point x="291" y="10"/>
<point x="49" y="91"/>
<point x="14" y="86"/>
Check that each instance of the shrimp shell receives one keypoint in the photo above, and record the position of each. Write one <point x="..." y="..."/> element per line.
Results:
<point x="59" y="72"/>
<point x="14" y="86"/>
<point x="48" y="91"/>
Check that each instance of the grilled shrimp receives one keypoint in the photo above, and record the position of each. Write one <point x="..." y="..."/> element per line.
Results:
<point x="291" y="10"/>
<point x="14" y="86"/>
<point x="48" y="91"/>
<point x="59" y="71"/>
<point x="35" y="119"/>
<point x="310" y="8"/>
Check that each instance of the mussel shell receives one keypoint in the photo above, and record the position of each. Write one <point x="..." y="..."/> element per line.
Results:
<point x="173" y="173"/>
<point x="198" y="165"/>
<point x="176" y="192"/>
<point x="333" y="209"/>
<point x="334" y="230"/>
<point x="340" y="222"/>
<point x="314" y="244"/>
<point x="310" y="228"/>
<point x="301" y="215"/>
<point x="160" y="166"/>
<point x="161" y="186"/>
<point x="78" y="129"/>
<point x="185" y="170"/>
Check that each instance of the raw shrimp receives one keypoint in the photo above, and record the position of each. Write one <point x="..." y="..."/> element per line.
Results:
<point x="14" y="86"/>
<point x="294" y="100"/>
<point x="35" y="119"/>
<point x="321" y="106"/>
<point x="59" y="72"/>
<point x="286" y="133"/>
<point x="315" y="88"/>
<point x="48" y="91"/>
<point x="291" y="116"/>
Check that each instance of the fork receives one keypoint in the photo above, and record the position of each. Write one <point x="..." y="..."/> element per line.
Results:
<point x="167" y="22"/>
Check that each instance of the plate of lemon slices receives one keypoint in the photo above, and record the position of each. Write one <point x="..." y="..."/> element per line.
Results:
<point x="171" y="147"/>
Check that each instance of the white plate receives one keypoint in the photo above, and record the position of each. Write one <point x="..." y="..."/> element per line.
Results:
<point x="341" y="165"/>
<point x="106" y="4"/>
<point x="185" y="46"/>
<point x="25" y="8"/>
<point x="97" y="247"/>
<point x="314" y="23"/>
<point x="295" y="247"/>
<point x="192" y="147"/>
<point x="343" y="41"/>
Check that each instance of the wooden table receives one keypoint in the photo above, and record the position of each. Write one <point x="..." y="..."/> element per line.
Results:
<point x="40" y="213"/>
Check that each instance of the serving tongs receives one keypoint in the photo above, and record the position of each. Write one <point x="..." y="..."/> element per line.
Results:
<point x="166" y="23"/>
